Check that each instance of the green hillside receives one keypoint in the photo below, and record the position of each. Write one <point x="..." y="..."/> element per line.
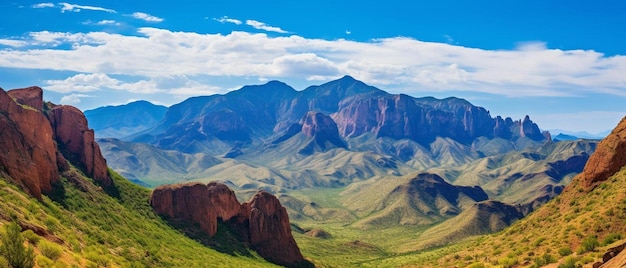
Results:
<point x="95" y="227"/>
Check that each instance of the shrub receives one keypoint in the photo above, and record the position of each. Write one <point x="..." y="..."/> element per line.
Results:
<point x="569" y="263"/>
<point x="31" y="236"/>
<point x="609" y="239"/>
<point x="565" y="251"/>
<point x="590" y="243"/>
<point x="50" y="249"/>
<point x="13" y="249"/>
<point x="508" y="262"/>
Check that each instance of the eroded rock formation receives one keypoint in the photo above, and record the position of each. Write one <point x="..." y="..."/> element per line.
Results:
<point x="262" y="222"/>
<point x="28" y="150"/>
<point x="76" y="142"/>
<point x="37" y="139"/>
<point x="609" y="157"/>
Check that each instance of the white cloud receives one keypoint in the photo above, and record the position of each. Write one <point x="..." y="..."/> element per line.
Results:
<point x="73" y="99"/>
<point x="401" y="63"/>
<point x="43" y="5"/>
<point x="102" y="22"/>
<point x="262" y="26"/>
<point x="177" y="85"/>
<point x="78" y="8"/>
<point x="146" y="17"/>
<point x="82" y="83"/>
<point x="226" y="19"/>
<point x="13" y="43"/>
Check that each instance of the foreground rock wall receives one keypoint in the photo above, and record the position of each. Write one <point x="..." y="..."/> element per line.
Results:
<point x="262" y="222"/>
<point x="37" y="138"/>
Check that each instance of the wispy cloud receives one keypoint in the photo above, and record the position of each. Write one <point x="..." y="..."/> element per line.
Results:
<point x="179" y="85"/>
<point x="77" y="8"/>
<point x="226" y="19"/>
<point x="73" y="99"/>
<point x="401" y="63"/>
<point x="102" y="22"/>
<point x="43" y="5"/>
<point x="146" y="17"/>
<point x="13" y="43"/>
<point x="262" y="26"/>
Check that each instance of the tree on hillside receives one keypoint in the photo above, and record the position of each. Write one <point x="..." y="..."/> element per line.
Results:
<point x="13" y="249"/>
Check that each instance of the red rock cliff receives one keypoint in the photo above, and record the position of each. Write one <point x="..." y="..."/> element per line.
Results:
<point x="262" y="221"/>
<point x="77" y="143"/>
<point x="36" y="142"/>
<point x="196" y="202"/>
<point x="609" y="157"/>
<point x="270" y="231"/>
<point x="28" y="150"/>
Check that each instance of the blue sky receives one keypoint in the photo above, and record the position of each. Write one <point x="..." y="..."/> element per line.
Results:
<point x="561" y="62"/>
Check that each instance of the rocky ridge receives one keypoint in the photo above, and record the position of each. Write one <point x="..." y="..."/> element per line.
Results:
<point x="37" y="138"/>
<point x="262" y="221"/>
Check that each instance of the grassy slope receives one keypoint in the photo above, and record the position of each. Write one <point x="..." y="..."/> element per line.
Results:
<point x="564" y="223"/>
<point x="100" y="230"/>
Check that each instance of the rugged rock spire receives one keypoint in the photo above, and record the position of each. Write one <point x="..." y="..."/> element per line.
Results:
<point x="262" y="222"/>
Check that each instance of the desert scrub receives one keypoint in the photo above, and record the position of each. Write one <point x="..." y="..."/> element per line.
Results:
<point x="50" y="250"/>
<point x="565" y="251"/>
<point x="590" y="243"/>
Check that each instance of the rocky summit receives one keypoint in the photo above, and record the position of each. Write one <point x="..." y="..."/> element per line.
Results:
<point x="262" y="222"/>
<point x="36" y="140"/>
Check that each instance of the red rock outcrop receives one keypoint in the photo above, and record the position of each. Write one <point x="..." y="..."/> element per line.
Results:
<point x="200" y="203"/>
<point x="262" y="222"/>
<point x="609" y="157"/>
<point x="270" y="232"/>
<point x="31" y="96"/>
<point x="28" y="151"/>
<point x="77" y="143"/>
<point x="36" y="142"/>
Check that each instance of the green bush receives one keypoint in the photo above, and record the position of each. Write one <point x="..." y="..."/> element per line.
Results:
<point x="590" y="243"/>
<point x="31" y="236"/>
<point x="565" y="251"/>
<point x="508" y="262"/>
<point x="50" y="249"/>
<point x="13" y="249"/>
<point x="609" y="239"/>
<point x="570" y="262"/>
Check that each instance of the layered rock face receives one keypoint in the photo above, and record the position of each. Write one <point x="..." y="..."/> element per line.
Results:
<point x="422" y="120"/>
<point x="609" y="157"/>
<point x="76" y="142"/>
<point x="36" y="142"/>
<point x="323" y="130"/>
<point x="262" y="222"/>
<point x="29" y="154"/>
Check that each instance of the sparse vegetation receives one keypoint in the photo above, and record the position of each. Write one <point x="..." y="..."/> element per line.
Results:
<point x="13" y="249"/>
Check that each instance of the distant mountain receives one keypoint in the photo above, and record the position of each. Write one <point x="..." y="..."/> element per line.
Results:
<point x="581" y="134"/>
<point x="124" y="120"/>
<point x="564" y="137"/>
<point x="253" y="114"/>
<point x="284" y="131"/>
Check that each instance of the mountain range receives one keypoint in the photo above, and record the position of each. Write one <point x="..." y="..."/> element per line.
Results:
<point x="389" y="159"/>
